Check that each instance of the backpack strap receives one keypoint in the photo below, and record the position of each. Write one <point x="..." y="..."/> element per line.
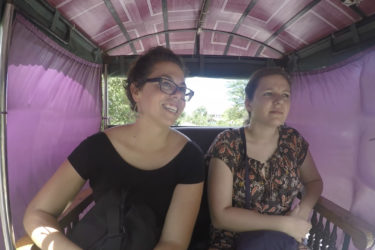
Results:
<point x="113" y="217"/>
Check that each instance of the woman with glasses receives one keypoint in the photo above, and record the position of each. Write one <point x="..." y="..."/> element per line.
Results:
<point x="256" y="171"/>
<point x="157" y="165"/>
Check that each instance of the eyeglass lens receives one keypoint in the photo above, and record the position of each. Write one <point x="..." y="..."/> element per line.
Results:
<point x="170" y="88"/>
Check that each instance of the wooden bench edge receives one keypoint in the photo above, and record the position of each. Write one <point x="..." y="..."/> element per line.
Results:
<point x="361" y="232"/>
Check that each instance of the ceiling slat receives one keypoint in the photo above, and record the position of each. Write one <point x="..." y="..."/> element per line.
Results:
<point x="287" y="24"/>
<point x="120" y="24"/>
<point x="202" y="15"/>
<point x="358" y="11"/>
<point x="165" y="20"/>
<point x="190" y="30"/>
<point x="238" y="24"/>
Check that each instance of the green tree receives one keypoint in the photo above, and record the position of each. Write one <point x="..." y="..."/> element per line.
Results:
<point x="199" y="116"/>
<point x="119" y="110"/>
<point x="181" y="119"/>
<point x="235" y="115"/>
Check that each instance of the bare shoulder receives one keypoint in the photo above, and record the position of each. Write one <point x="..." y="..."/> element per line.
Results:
<point x="118" y="133"/>
<point x="116" y="129"/>
<point x="178" y="136"/>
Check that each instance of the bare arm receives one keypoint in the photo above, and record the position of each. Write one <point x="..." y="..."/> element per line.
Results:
<point x="40" y="219"/>
<point x="313" y="187"/>
<point x="181" y="216"/>
<point x="225" y="216"/>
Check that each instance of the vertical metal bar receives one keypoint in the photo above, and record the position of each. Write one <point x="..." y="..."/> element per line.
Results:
<point x="202" y="15"/>
<point x="345" y="244"/>
<point x="105" y="97"/>
<point x="165" y="21"/>
<point x="6" y="219"/>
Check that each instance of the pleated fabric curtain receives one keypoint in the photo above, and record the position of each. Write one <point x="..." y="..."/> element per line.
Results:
<point x="54" y="102"/>
<point x="334" y="109"/>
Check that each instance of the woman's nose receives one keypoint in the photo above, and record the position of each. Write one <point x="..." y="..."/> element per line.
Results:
<point x="278" y="99"/>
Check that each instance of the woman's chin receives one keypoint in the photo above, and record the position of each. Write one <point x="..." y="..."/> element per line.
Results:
<point x="170" y="121"/>
<point x="276" y="123"/>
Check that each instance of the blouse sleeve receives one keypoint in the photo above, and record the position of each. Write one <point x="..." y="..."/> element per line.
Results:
<point x="82" y="157"/>
<point x="302" y="148"/>
<point x="227" y="148"/>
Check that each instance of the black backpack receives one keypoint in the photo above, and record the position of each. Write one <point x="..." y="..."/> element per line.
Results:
<point x="117" y="222"/>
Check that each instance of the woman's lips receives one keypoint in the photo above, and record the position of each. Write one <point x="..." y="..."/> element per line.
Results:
<point x="276" y="112"/>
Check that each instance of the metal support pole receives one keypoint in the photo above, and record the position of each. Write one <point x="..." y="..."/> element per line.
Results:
<point x="6" y="219"/>
<point x="105" y="97"/>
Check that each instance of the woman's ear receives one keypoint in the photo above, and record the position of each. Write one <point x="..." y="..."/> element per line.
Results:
<point x="248" y="105"/>
<point x="134" y="92"/>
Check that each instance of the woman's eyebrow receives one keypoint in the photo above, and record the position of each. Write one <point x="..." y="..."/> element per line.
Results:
<point x="166" y="76"/>
<point x="271" y="89"/>
<point x="182" y="84"/>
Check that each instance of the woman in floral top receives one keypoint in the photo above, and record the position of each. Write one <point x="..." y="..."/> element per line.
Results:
<point x="254" y="191"/>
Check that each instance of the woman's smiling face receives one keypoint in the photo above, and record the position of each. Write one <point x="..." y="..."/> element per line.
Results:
<point x="157" y="105"/>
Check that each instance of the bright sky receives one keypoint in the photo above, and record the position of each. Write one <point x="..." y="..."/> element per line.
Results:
<point x="208" y="92"/>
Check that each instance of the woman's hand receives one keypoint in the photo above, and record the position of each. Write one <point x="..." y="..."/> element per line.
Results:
<point x="296" y="227"/>
<point x="300" y="213"/>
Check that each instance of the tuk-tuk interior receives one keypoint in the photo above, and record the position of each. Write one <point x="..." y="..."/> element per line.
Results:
<point x="56" y="54"/>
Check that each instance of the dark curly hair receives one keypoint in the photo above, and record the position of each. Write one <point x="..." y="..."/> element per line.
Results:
<point x="143" y="65"/>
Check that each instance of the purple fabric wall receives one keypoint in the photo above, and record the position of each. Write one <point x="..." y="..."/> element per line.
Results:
<point x="54" y="102"/>
<point x="335" y="111"/>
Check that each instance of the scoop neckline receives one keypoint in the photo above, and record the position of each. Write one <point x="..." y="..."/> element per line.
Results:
<point x="169" y="163"/>
<point x="274" y="154"/>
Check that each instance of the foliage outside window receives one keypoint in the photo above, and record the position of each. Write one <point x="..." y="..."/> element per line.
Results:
<point x="119" y="110"/>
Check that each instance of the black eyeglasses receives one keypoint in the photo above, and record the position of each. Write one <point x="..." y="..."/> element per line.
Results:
<point x="169" y="87"/>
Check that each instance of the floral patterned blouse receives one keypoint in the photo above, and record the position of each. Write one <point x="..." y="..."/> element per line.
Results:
<point x="273" y="184"/>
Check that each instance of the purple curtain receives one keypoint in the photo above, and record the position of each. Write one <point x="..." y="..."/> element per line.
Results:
<point x="335" y="110"/>
<point x="54" y="102"/>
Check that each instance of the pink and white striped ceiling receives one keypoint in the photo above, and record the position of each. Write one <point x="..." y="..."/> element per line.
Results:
<point x="255" y="28"/>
